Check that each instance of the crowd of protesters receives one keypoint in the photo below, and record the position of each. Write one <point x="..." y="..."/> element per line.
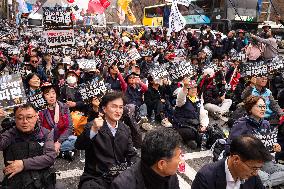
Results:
<point x="172" y="112"/>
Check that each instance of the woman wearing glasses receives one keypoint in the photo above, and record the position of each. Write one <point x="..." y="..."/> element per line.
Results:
<point x="271" y="174"/>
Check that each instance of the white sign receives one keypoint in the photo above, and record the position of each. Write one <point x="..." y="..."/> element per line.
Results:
<point x="60" y="38"/>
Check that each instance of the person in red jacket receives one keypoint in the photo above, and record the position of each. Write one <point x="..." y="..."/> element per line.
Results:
<point x="57" y="117"/>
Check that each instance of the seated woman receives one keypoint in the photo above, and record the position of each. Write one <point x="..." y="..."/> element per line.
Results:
<point x="32" y="84"/>
<point x="57" y="116"/>
<point x="271" y="174"/>
<point x="189" y="114"/>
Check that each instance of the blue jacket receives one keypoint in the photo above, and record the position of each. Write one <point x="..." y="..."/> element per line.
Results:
<point x="213" y="176"/>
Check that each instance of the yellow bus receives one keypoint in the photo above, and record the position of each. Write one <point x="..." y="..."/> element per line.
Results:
<point x="154" y="15"/>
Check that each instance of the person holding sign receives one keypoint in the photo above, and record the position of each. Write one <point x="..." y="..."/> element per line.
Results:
<point x="271" y="174"/>
<point x="57" y="116"/>
<point x="115" y="79"/>
<point x="107" y="143"/>
<point x="70" y="94"/>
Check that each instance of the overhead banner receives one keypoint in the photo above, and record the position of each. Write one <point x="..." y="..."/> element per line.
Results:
<point x="12" y="91"/>
<point x="91" y="89"/>
<point x="57" y="18"/>
<point x="60" y="38"/>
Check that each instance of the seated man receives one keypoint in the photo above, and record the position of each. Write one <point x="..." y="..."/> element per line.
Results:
<point x="108" y="145"/>
<point x="239" y="170"/>
<point x="28" y="152"/>
<point x="258" y="88"/>
<point x="160" y="157"/>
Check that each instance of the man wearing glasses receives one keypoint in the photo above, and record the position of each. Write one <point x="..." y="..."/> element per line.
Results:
<point x="239" y="170"/>
<point x="28" y="152"/>
<point x="36" y="68"/>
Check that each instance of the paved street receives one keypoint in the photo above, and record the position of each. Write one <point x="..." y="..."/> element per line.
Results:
<point x="69" y="173"/>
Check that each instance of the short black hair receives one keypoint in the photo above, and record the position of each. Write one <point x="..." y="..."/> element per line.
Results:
<point x="111" y="96"/>
<point x="249" y="147"/>
<point x="159" y="144"/>
<point x="24" y="106"/>
<point x="29" y="77"/>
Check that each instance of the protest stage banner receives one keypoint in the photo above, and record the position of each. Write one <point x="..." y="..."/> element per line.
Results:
<point x="37" y="101"/>
<point x="57" y="18"/>
<point x="60" y="38"/>
<point x="180" y="70"/>
<point x="91" y="89"/>
<point x="12" y="91"/>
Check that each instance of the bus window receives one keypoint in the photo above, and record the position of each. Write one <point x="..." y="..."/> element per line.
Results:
<point x="154" y="12"/>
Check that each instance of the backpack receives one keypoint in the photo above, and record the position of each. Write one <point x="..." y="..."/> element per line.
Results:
<point x="32" y="179"/>
<point x="214" y="133"/>
<point x="220" y="149"/>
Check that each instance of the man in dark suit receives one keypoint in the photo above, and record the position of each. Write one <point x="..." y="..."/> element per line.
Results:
<point x="160" y="157"/>
<point x="107" y="143"/>
<point x="239" y="170"/>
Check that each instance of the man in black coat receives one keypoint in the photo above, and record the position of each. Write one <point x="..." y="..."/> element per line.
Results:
<point x="160" y="157"/>
<point x="239" y="170"/>
<point x="108" y="145"/>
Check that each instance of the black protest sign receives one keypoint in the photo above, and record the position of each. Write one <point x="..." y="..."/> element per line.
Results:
<point x="276" y="64"/>
<point x="262" y="68"/>
<point x="91" y="89"/>
<point x="254" y="69"/>
<point x="60" y="38"/>
<point x="153" y="42"/>
<point x="180" y="52"/>
<point x="11" y="91"/>
<point x="37" y="101"/>
<point x="133" y="54"/>
<point x="180" y="70"/>
<point x="57" y="18"/>
<point x="87" y="64"/>
<point x="159" y="72"/>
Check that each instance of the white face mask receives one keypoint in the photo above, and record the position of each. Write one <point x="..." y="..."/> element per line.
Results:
<point x="61" y="71"/>
<point x="71" y="80"/>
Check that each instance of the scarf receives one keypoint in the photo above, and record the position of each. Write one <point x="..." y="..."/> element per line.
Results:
<point x="56" y="112"/>
<point x="192" y="99"/>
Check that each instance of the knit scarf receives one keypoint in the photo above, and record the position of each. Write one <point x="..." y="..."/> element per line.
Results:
<point x="56" y="112"/>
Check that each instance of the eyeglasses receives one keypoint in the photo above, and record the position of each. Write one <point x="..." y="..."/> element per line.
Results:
<point x="22" y="118"/>
<point x="261" y="106"/>
<point x="254" y="169"/>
